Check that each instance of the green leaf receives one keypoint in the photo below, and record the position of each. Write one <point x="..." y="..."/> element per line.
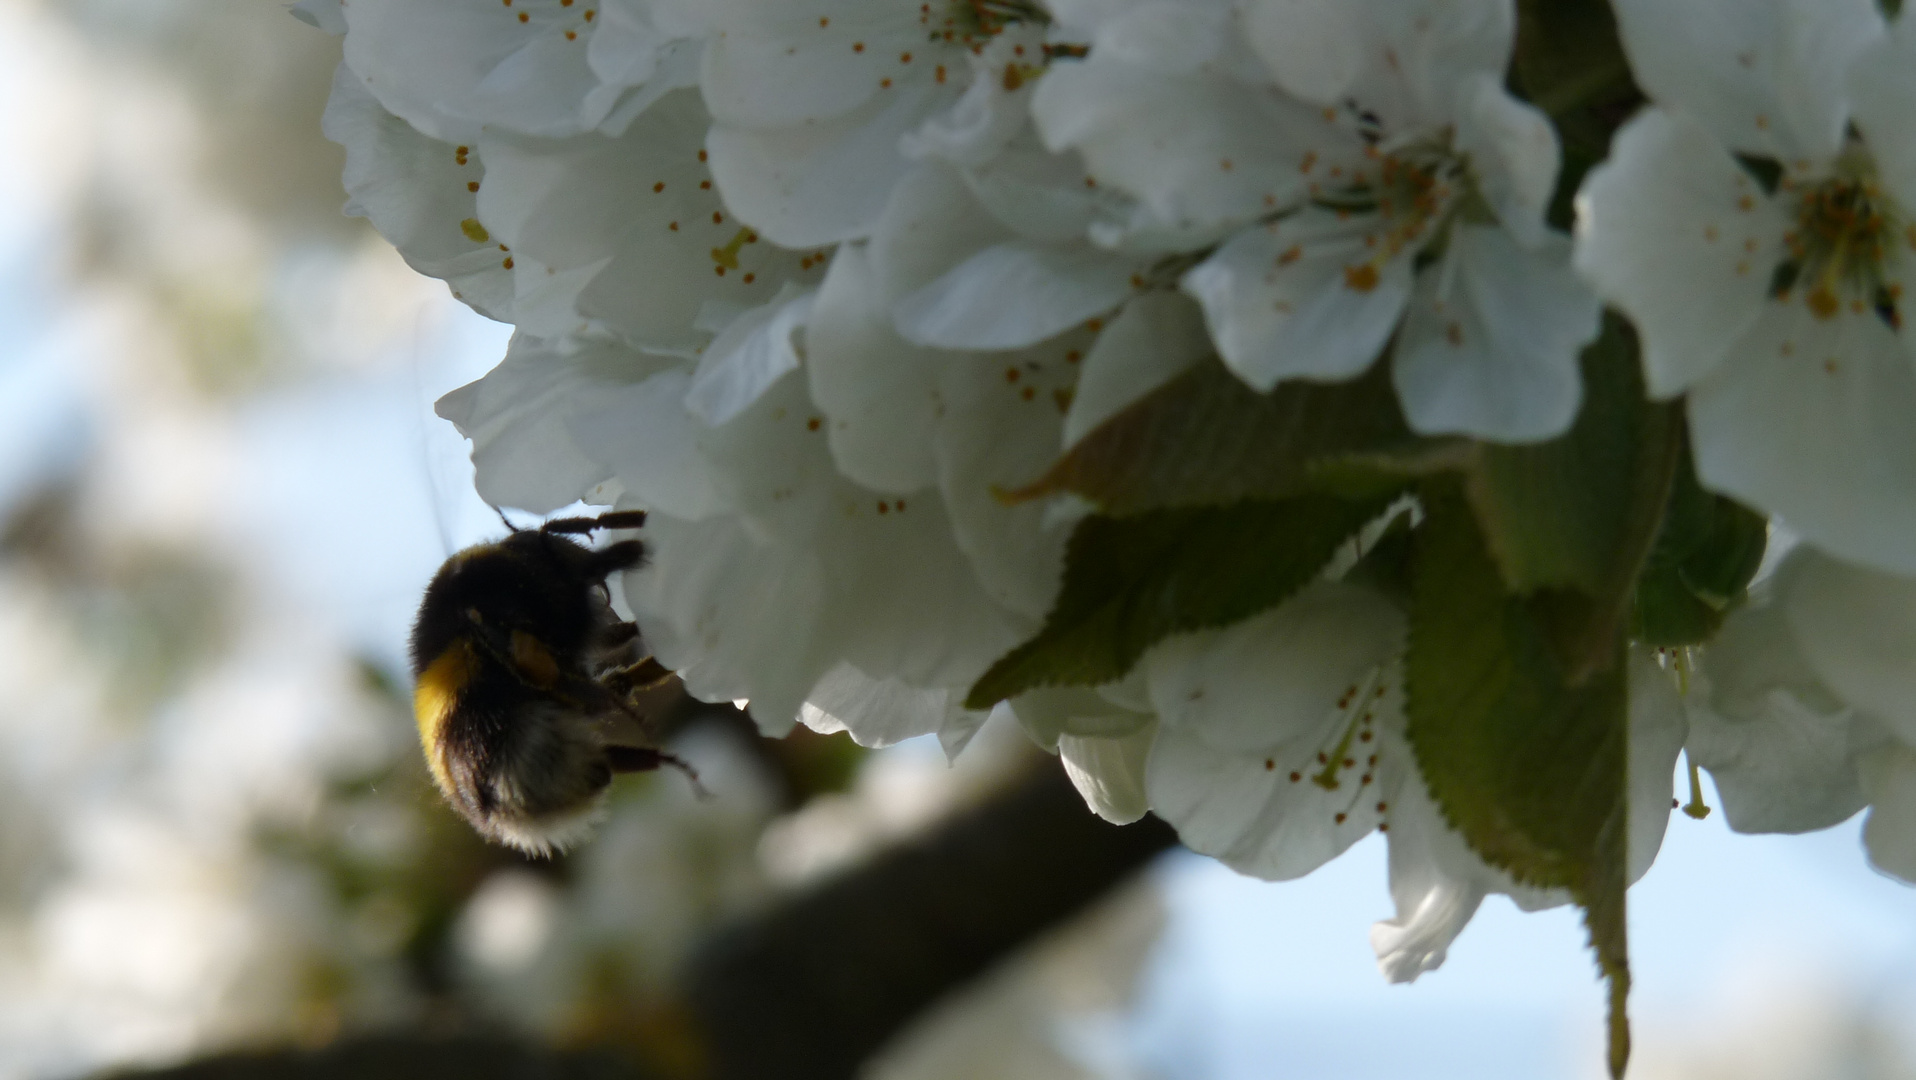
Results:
<point x="1206" y="439"/>
<point x="1385" y="567"/>
<point x="1528" y="764"/>
<point x="1705" y="555"/>
<point x="1130" y="582"/>
<point x="1569" y="62"/>
<point x="1665" y="613"/>
<point x="1573" y="519"/>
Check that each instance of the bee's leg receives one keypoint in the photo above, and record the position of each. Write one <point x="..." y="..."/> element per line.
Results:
<point x="620" y="519"/>
<point x="612" y="519"/>
<point x="635" y="678"/>
<point x="615" y="645"/>
<point x="645" y="759"/>
<point x="631" y="718"/>
<point x="612" y="558"/>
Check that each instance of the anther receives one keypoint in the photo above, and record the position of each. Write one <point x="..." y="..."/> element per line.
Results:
<point x="1697" y="809"/>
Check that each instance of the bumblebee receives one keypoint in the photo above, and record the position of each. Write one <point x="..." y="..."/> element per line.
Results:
<point x="529" y="691"/>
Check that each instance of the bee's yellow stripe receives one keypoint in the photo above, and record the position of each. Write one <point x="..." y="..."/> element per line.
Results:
<point x="434" y="698"/>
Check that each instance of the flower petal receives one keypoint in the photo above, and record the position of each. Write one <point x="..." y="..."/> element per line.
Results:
<point x="1882" y="86"/>
<point x="1040" y="195"/>
<point x="1889" y="833"/>
<point x="992" y="111"/>
<point x="875" y="712"/>
<point x="1675" y="233"/>
<point x="1050" y="713"/>
<point x="1762" y="77"/>
<point x="1315" y="49"/>
<point x="1780" y="749"/>
<point x="1199" y="151"/>
<point x="818" y="183"/>
<point x="1012" y="295"/>
<point x="751" y="354"/>
<point x="1399" y="60"/>
<point x="418" y="193"/>
<point x="1156" y="338"/>
<point x="1810" y="419"/>
<point x="998" y="429"/>
<point x="904" y="602"/>
<point x="1857" y="628"/>
<point x="451" y="68"/>
<point x="767" y="69"/>
<point x="1278" y="676"/>
<point x="1247" y="812"/>
<point x="877" y="582"/>
<point x="1436" y="884"/>
<point x="519" y="419"/>
<point x="632" y="46"/>
<point x="734" y="615"/>
<point x="323" y="14"/>
<point x="1257" y="718"/>
<point x="1498" y="358"/>
<point x="878" y="392"/>
<point x="641" y="207"/>
<point x="644" y="435"/>
<point x="1658" y="728"/>
<point x="1298" y="300"/>
<point x="1513" y="151"/>
<point x="1109" y="773"/>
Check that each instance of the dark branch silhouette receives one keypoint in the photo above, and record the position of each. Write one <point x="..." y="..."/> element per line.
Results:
<point x="406" y="1057"/>
<point x="813" y="987"/>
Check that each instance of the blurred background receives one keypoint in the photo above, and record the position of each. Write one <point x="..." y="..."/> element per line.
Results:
<point x="221" y="491"/>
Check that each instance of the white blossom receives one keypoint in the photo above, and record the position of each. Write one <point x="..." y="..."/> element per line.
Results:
<point x="1778" y="312"/>
<point x="1363" y="168"/>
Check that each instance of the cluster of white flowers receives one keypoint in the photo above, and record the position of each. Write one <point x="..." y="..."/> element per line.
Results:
<point x="816" y="282"/>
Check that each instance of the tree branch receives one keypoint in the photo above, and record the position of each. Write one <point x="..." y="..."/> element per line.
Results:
<point x="813" y="987"/>
<point x="407" y="1057"/>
